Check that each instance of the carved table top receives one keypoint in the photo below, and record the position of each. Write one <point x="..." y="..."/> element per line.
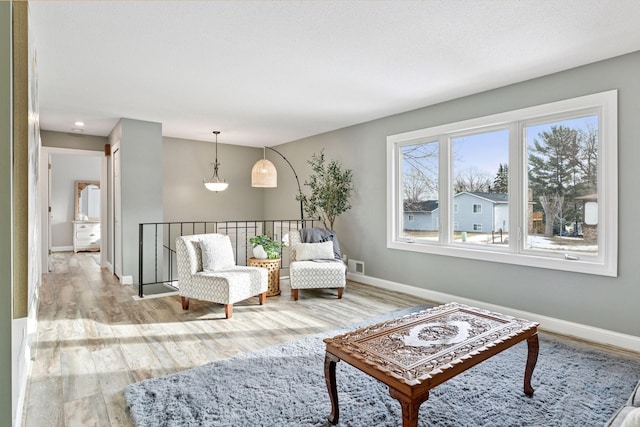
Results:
<point x="430" y="346"/>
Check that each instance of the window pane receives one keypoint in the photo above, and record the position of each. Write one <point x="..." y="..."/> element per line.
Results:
<point x="420" y="191"/>
<point x="481" y="188"/>
<point x="562" y="161"/>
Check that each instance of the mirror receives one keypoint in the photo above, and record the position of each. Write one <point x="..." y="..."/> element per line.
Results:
<point x="87" y="201"/>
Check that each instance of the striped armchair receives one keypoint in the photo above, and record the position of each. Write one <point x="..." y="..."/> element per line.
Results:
<point x="309" y="274"/>
<point x="217" y="278"/>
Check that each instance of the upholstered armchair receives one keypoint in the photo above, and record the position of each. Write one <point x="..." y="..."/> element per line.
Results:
<point x="315" y="264"/>
<point x="207" y="271"/>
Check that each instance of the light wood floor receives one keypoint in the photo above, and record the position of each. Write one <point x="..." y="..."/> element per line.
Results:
<point x="93" y="338"/>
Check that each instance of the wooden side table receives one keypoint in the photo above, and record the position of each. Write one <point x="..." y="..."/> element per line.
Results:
<point x="273" y="267"/>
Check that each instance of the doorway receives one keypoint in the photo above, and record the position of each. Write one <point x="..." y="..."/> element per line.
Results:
<point x="60" y="168"/>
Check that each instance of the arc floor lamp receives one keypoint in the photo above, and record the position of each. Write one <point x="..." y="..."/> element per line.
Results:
<point x="265" y="175"/>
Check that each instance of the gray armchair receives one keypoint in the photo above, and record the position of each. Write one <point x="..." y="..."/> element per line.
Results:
<point x="316" y="267"/>
<point x="207" y="271"/>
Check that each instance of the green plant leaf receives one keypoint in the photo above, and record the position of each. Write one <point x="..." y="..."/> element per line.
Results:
<point x="271" y="247"/>
<point x="331" y="187"/>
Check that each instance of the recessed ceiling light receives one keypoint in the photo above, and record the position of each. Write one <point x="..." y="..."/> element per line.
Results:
<point x="79" y="123"/>
<point x="77" y="130"/>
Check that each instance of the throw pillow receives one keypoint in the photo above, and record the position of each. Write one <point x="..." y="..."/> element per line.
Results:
<point x="315" y="235"/>
<point x="217" y="252"/>
<point x="632" y="419"/>
<point x="311" y="251"/>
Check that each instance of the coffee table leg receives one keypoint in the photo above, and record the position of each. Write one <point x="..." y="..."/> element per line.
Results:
<point x="330" y="361"/>
<point x="410" y="407"/>
<point x="532" y="358"/>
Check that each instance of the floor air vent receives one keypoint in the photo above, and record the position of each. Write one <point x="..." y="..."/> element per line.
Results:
<point x="356" y="267"/>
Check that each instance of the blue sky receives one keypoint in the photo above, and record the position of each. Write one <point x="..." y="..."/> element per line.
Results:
<point x="579" y="123"/>
<point x="485" y="151"/>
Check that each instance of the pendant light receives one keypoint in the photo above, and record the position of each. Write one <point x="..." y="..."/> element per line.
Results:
<point x="264" y="173"/>
<point x="215" y="183"/>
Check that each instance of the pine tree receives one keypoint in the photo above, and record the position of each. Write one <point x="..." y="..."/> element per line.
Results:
<point x="552" y="172"/>
<point x="552" y="161"/>
<point x="501" y="181"/>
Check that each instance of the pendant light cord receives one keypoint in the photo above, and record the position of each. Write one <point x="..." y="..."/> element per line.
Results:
<point x="216" y="132"/>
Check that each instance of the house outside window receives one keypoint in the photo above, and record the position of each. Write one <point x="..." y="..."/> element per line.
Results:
<point x="543" y="177"/>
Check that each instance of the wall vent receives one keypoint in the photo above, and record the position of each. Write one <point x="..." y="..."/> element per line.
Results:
<point x="356" y="267"/>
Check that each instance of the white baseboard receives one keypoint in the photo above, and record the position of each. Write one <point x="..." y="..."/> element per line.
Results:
<point x="549" y="324"/>
<point x="21" y="367"/>
<point x="24" y="333"/>
<point x="61" y="248"/>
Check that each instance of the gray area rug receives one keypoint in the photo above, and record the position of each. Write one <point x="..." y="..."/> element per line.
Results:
<point x="575" y="385"/>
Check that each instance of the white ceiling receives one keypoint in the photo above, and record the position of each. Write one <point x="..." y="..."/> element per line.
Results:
<point x="269" y="72"/>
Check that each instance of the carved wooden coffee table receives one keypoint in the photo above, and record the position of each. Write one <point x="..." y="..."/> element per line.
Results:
<point x="417" y="352"/>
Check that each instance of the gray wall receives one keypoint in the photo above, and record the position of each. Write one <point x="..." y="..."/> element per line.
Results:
<point x="6" y="208"/>
<point x="609" y="303"/>
<point x="280" y="202"/>
<point x="65" y="171"/>
<point x="141" y="176"/>
<point x="72" y="140"/>
<point x="187" y="163"/>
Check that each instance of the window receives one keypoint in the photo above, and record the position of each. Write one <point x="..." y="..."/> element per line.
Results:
<point x="410" y="218"/>
<point x="420" y="165"/>
<point x="535" y="187"/>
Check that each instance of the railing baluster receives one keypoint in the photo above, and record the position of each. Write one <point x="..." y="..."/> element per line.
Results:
<point x="155" y="254"/>
<point x="140" y="253"/>
<point x="170" y="255"/>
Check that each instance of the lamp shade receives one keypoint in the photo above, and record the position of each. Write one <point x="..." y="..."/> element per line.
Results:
<point x="264" y="174"/>
<point x="216" y="186"/>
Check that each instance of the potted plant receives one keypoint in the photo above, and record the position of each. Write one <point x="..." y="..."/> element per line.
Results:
<point x="331" y="189"/>
<point x="265" y="247"/>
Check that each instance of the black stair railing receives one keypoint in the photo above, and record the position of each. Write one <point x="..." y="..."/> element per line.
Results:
<point x="157" y="259"/>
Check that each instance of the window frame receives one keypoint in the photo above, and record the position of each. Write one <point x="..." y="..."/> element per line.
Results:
<point x="605" y="263"/>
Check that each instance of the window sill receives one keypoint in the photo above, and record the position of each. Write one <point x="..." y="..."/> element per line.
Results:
<point x="586" y="265"/>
